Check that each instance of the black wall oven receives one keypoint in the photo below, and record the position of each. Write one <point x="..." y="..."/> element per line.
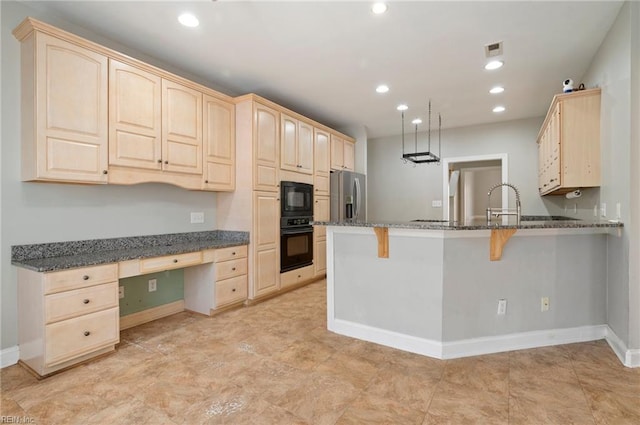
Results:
<point x="296" y="232"/>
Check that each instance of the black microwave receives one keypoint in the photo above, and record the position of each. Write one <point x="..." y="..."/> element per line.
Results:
<point x="296" y="199"/>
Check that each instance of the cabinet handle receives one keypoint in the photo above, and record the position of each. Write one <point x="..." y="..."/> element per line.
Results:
<point x="85" y="277"/>
<point x="233" y="269"/>
<point x="299" y="276"/>
<point x="86" y="301"/>
<point x="233" y="253"/>
<point x="175" y="260"/>
<point x="206" y="181"/>
<point x="233" y="290"/>
<point x="166" y="162"/>
<point x="104" y="172"/>
<point x="160" y="161"/>
<point x="87" y="333"/>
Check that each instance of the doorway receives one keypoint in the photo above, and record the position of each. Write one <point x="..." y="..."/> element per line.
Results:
<point x="466" y="182"/>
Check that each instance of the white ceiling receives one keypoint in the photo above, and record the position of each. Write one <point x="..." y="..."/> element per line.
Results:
<point x="324" y="59"/>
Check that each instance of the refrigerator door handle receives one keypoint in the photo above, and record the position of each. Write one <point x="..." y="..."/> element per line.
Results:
<point x="356" y="183"/>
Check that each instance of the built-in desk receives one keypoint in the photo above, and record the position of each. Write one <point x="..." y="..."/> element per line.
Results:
<point x="68" y="308"/>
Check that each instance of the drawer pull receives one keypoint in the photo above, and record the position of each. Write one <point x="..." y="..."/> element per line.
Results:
<point x="86" y="301"/>
<point x="175" y="260"/>
<point x="233" y="253"/>
<point x="85" y="277"/>
<point x="233" y="290"/>
<point x="87" y="333"/>
<point x="233" y="269"/>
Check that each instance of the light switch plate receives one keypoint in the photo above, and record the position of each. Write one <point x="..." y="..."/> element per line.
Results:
<point x="436" y="203"/>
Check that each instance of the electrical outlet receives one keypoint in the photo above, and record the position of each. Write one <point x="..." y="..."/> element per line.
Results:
<point x="153" y="285"/>
<point x="197" y="217"/>
<point x="436" y="203"/>
<point x="544" y="304"/>
<point x="502" y="307"/>
<point x="121" y="292"/>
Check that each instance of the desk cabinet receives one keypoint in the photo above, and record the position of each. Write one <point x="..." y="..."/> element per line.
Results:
<point x="67" y="317"/>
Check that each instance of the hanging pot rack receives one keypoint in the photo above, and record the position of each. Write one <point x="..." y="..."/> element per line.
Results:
<point x="426" y="157"/>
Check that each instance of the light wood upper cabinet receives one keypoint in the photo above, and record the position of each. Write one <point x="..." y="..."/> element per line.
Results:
<point x="296" y="146"/>
<point x="321" y="163"/>
<point x="64" y="110"/>
<point x="569" y="143"/>
<point x="135" y="125"/>
<point x="219" y="145"/>
<point x="266" y="147"/>
<point x="181" y="128"/>
<point x="342" y="154"/>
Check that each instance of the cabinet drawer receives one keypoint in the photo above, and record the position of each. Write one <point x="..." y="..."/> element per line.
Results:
<point x="231" y="268"/>
<point x="296" y="276"/>
<point x="79" y="278"/>
<point x="169" y="262"/>
<point x="231" y="253"/>
<point x="68" y="304"/>
<point x="76" y="337"/>
<point x="231" y="290"/>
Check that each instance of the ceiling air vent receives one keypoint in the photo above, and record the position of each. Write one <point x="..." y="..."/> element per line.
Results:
<point x="493" y="49"/>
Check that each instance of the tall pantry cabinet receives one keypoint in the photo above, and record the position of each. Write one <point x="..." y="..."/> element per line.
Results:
<point x="255" y="204"/>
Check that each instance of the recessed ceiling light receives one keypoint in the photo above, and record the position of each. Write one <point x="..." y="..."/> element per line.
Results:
<point x="382" y="88"/>
<point x="416" y="121"/>
<point x="402" y="107"/>
<point x="188" y="20"/>
<point x="496" y="90"/>
<point x="499" y="109"/>
<point x="379" y="8"/>
<point x="493" y="65"/>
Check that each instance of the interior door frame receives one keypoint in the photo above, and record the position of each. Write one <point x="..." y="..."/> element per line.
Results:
<point x="446" y="164"/>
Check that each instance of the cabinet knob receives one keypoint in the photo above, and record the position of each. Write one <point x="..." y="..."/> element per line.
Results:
<point x="160" y="161"/>
<point x="86" y="301"/>
<point x="166" y="162"/>
<point x="85" y="277"/>
<point x="175" y="260"/>
<point x="233" y="290"/>
<point x="233" y="253"/>
<point x="87" y="333"/>
<point x="206" y="181"/>
<point x="105" y="172"/>
<point x="233" y="269"/>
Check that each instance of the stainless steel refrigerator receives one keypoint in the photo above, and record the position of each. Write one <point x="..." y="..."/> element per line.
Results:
<point x="348" y="196"/>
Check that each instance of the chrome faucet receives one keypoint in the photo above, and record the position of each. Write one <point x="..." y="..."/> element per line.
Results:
<point x="498" y="212"/>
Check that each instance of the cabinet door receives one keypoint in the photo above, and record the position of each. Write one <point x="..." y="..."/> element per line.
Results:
<point x="219" y="144"/>
<point x="267" y="241"/>
<point x="305" y="148"/>
<point x="266" y="147"/>
<point x="181" y="128"/>
<point x="320" y="256"/>
<point x="349" y="155"/>
<point x="135" y="99"/>
<point x="71" y="112"/>
<point x="337" y="153"/>
<point x="321" y="163"/>
<point x="288" y="143"/>
<point x="321" y="213"/>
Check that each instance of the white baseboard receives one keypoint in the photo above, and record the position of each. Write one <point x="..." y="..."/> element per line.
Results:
<point x="468" y="347"/>
<point x="630" y="358"/>
<point x="9" y="356"/>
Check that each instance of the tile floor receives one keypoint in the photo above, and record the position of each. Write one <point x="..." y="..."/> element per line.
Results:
<point x="275" y="363"/>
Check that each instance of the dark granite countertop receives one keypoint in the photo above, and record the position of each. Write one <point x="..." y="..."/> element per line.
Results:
<point x="53" y="256"/>
<point x="527" y="222"/>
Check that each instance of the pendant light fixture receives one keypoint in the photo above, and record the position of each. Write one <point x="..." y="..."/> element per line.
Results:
<point x="424" y="157"/>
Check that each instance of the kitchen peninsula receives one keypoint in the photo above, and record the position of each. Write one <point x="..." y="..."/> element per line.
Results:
<point x="430" y="287"/>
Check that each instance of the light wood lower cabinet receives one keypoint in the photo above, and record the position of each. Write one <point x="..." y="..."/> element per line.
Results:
<point x="231" y="276"/>
<point x="67" y="317"/>
<point x="296" y="276"/>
